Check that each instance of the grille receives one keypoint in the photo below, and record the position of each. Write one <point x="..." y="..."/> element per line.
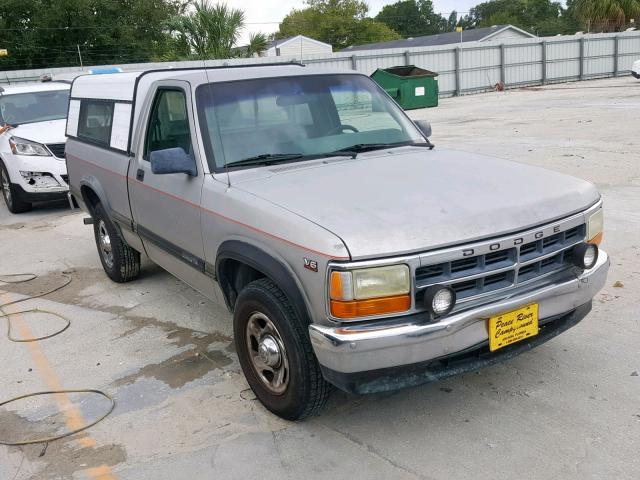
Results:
<point x="57" y="149"/>
<point x="481" y="275"/>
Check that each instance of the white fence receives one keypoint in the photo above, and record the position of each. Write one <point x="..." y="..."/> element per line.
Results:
<point x="463" y="68"/>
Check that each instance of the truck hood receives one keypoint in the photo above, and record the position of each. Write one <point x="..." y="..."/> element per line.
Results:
<point x="52" y="131"/>
<point x="412" y="199"/>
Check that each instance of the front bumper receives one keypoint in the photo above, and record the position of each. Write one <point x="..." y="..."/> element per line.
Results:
<point x="54" y="168"/>
<point x="41" y="194"/>
<point x="346" y="352"/>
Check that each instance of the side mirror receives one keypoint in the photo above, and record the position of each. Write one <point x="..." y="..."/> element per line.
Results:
<point x="424" y="127"/>
<point x="172" y="160"/>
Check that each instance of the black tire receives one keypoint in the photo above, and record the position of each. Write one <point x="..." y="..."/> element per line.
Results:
<point x="123" y="263"/>
<point x="307" y="391"/>
<point x="11" y="195"/>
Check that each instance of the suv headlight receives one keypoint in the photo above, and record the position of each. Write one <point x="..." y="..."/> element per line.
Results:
<point x="595" y="227"/>
<point x="366" y="292"/>
<point x="20" y="146"/>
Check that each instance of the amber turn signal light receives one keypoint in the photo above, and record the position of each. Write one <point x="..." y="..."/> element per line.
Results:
<point x="370" y="307"/>
<point x="597" y="240"/>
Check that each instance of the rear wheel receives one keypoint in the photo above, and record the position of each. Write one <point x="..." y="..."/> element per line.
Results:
<point x="275" y="352"/>
<point x="120" y="262"/>
<point x="11" y="195"/>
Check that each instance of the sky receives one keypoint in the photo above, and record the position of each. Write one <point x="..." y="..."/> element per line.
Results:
<point x="264" y="15"/>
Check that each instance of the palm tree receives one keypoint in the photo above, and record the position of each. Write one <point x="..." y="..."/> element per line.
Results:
<point x="257" y="44"/>
<point x="211" y="31"/>
<point x="606" y="15"/>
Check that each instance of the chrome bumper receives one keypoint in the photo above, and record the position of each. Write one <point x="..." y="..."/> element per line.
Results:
<point x="360" y="348"/>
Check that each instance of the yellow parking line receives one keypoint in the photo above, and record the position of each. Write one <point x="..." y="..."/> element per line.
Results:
<point x="73" y="416"/>
<point x="103" y="472"/>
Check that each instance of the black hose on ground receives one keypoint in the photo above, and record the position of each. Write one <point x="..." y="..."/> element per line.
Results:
<point x="15" y="279"/>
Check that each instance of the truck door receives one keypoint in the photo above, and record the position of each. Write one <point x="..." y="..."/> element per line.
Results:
<point x="166" y="207"/>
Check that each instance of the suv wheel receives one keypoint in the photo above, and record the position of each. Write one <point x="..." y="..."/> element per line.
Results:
<point x="120" y="262"/>
<point x="275" y="352"/>
<point x="11" y="196"/>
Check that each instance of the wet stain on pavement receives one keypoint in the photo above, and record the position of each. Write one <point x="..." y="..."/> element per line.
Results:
<point x="180" y="369"/>
<point x="179" y="336"/>
<point x="209" y="351"/>
<point x="62" y="458"/>
<point x="18" y="428"/>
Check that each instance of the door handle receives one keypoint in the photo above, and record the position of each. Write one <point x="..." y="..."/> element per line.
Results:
<point x="140" y="175"/>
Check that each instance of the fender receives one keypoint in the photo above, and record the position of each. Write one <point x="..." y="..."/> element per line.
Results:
<point x="118" y="219"/>
<point x="92" y="183"/>
<point x="273" y="268"/>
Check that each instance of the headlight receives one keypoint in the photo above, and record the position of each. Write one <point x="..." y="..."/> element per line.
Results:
<point x="20" y="146"/>
<point x="595" y="227"/>
<point x="370" y="291"/>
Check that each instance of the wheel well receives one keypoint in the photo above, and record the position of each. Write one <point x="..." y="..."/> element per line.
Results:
<point x="234" y="275"/>
<point x="90" y="198"/>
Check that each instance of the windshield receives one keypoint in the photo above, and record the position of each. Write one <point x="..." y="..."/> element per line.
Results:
<point x="19" y="108"/>
<point x="302" y="116"/>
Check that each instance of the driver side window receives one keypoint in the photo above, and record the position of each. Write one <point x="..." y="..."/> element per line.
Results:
<point x="168" y="123"/>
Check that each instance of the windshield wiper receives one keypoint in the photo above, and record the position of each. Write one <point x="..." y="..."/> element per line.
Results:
<point x="271" y="158"/>
<point x="368" y="147"/>
<point x="365" y="147"/>
<point x="265" y="159"/>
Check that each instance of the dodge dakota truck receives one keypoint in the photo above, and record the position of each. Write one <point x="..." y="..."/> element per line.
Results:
<point x="351" y="252"/>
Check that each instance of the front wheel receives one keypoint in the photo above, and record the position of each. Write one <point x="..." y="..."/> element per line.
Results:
<point x="11" y="195"/>
<point x="275" y="352"/>
<point x="121" y="263"/>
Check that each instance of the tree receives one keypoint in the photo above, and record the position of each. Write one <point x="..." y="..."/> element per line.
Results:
<point x="412" y="18"/>
<point x="48" y="33"/>
<point x="257" y="44"/>
<point x="452" y="21"/>
<point x="340" y="23"/>
<point x="605" y="15"/>
<point x="540" y="17"/>
<point x="211" y="31"/>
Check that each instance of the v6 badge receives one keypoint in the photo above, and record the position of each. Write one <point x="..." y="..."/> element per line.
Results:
<point x="311" y="264"/>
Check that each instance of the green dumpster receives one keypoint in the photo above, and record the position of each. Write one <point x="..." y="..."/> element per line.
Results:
<point x="410" y="86"/>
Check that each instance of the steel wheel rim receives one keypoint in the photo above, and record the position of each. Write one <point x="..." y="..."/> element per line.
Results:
<point x="267" y="354"/>
<point x="6" y="187"/>
<point x="106" y="250"/>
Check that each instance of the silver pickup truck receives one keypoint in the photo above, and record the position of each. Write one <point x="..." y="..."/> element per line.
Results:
<point x="350" y="251"/>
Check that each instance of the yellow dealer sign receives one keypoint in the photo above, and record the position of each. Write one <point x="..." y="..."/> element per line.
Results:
<point x="3" y="52"/>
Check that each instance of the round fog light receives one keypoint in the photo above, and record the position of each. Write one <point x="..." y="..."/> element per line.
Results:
<point x="585" y="255"/>
<point x="439" y="300"/>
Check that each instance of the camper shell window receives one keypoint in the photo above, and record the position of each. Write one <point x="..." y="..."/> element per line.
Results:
<point x="95" y="121"/>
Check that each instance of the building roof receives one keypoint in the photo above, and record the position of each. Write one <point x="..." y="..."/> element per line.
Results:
<point x="281" y="41"/>
<point x="471" y="35"/>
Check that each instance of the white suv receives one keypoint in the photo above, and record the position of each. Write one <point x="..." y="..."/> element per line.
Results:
<point x="32" y="143"/>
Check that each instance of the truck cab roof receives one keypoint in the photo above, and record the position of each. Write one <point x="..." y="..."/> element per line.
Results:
<point x="124" y="86"/>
